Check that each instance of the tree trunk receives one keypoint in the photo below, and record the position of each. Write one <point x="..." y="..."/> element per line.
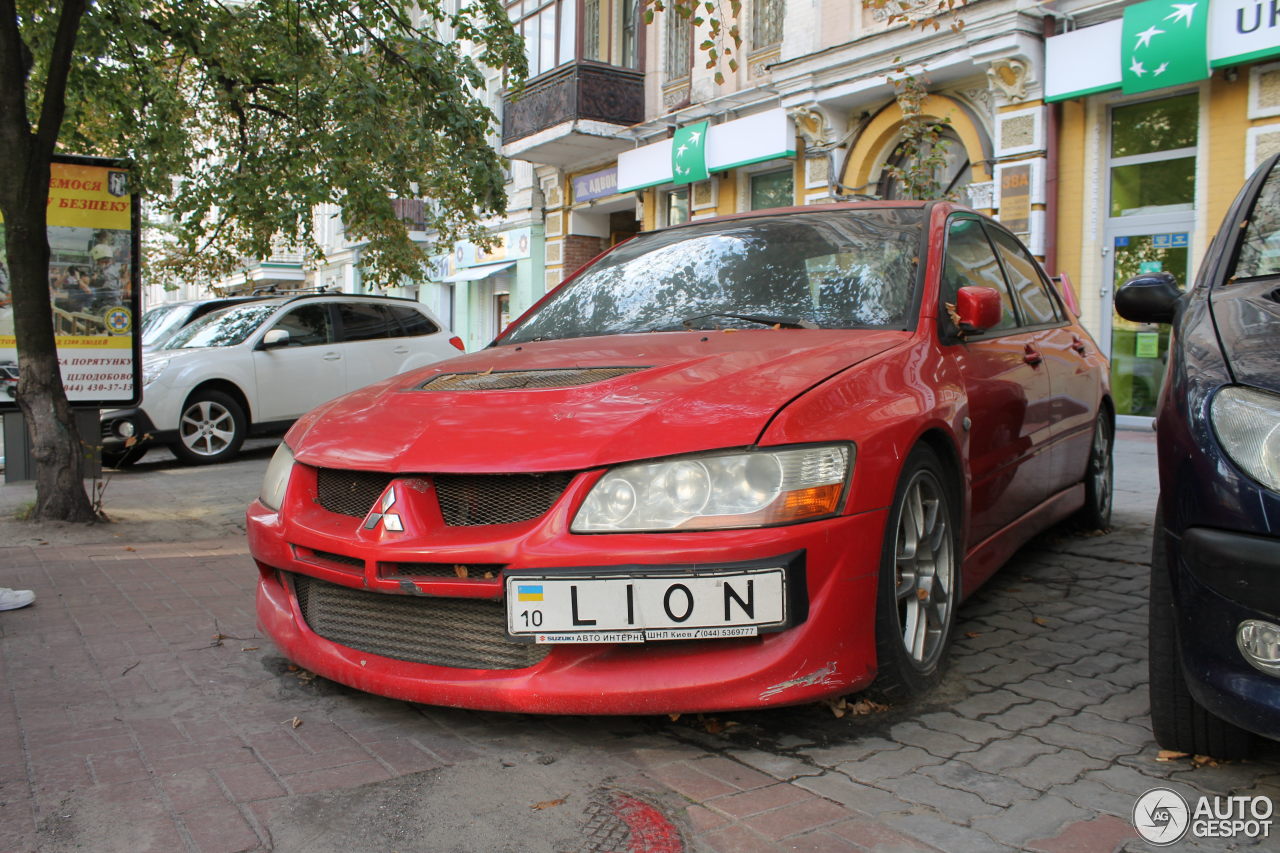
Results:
<point x="56" y="445"/>
<point x="24" y="196"/>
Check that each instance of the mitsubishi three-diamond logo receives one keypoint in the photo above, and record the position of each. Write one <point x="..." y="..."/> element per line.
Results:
<point x="381" y="514"/>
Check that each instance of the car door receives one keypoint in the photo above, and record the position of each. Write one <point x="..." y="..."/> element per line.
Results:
<point x="1007" y="387"/>
<point x="304" y="372"/>
<point x="371" y="342"/>
<point x="1069" y="358"/>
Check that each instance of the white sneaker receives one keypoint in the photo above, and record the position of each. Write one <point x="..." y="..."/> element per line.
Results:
<point x="12" y="599"/>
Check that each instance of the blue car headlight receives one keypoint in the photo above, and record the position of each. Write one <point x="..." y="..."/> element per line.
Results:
<point x="1247" y="423"/>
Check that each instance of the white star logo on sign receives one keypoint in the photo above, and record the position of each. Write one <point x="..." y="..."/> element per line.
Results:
<point x="1145" y="37"/>
<point x="1137" y="69"/>
<point x="1182" y="12"/>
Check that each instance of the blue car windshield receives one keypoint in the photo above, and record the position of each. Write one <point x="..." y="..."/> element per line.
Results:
<point x="840" y="269"/>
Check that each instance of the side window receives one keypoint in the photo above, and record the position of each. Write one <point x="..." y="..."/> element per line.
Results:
<point x="1038" y="306"/>
<point x="412" y="321"/>
<point x="365" y="321"/>
<point x="1260" y="251"/>
<point x="307" y="325"/>
<point x="970" y="262"/>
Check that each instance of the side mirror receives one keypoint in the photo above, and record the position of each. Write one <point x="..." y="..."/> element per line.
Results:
<point x="275" y="338"/>
<point x="978" y="308"/>
<point x="1149" y="298"/>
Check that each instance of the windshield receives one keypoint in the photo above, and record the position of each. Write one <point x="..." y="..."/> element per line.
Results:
<point x="852" y="269"/>
<point x="224" y="328"/>
<point x="161" y="321"/>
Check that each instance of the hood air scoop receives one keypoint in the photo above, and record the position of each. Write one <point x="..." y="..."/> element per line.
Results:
<point x="512" y="380"/>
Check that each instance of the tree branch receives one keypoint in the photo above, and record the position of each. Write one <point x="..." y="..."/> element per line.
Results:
<point x="55" y="91"/>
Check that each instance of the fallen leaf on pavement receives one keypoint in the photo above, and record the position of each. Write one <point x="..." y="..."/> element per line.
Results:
<point x="295" y="722"/>
<point x="547" y="804"/>
<point x="1040" y="620"/>
<point x="1170" y="755"/>
<point x="249" y="649"/>
<point x="973" y="635"/>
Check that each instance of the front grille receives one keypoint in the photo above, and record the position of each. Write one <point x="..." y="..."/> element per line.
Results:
<point x="506" y="380"/>
<point x="350" y="492"/>
<point x="468" y="500"/>
<point x="341" y="559"/>
<point x="465" y="633"/>
<point x="457" y="571"/>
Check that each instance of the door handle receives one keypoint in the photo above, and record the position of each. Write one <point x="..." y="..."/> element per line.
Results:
<point x="400" y="350"/>
<point x="1031" y="355"/>
<point x="1078" y="345"/>
<point x="331" y="356"/>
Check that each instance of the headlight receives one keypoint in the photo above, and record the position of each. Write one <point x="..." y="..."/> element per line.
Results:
<point x="1248" y="426"/>
<point x="719" y="490"/>
<point x="277" y="477"/>
<point x="152" y="369"/>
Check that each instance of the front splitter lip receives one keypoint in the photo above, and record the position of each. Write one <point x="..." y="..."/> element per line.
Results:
<point x="833" y="652"/>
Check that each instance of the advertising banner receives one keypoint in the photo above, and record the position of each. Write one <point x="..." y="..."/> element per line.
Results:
<point x="93" y="285"/>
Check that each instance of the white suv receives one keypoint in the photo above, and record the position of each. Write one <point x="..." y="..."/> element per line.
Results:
<point x="257" y="367"/>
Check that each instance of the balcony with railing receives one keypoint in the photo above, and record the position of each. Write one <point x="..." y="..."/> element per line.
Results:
<point x="572" y="114"/>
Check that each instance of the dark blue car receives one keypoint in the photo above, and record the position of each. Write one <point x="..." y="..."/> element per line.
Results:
<point x="1215" y="563"/>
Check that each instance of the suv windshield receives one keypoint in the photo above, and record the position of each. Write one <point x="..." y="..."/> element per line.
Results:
<point x="224" y="328"/>
<point x="160" y="322"/>
<point x="852" y="269"/>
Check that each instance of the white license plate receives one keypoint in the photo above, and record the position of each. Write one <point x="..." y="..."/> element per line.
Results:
<point x="633" y="608"/>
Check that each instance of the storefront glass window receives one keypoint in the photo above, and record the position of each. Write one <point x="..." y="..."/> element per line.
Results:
<point x="773" y="189"/>
<point x="1153" y="162"/>
<point x="678" y="206"/>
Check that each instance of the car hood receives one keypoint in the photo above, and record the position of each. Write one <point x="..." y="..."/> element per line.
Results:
<point x="1247" y="318"/>
<point x="641" y="396"/>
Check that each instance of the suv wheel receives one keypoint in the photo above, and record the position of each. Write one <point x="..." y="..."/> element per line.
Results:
<point x="1180" y="722"/>
<point x="211" y="429"/>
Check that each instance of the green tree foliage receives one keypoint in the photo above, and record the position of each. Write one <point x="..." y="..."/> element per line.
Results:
<point x="240" y="117"/>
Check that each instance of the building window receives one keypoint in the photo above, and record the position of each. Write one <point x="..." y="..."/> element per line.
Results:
<point x="679" y="44"/>
<point x="773" y="189"/>
<point x="677" y="206"/>
<point x="1153" y="156"/>
<point x="766" y="22"/>
<point x="502" y="311"/>
<point x="611" y="33"/>
<point x="549" y="31"/>
<point x="903" y="176"/>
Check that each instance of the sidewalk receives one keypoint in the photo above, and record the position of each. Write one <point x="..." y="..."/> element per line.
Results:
<point x="142" y="711"/>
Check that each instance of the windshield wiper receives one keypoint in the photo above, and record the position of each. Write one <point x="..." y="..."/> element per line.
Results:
<point x="762" y="319"/>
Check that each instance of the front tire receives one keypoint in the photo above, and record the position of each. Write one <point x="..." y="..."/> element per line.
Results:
<point x="211" y="429"/>
<point x="919" y="585"/>
<point x="1178" y="721"/>
<point x="1099" y="475"/>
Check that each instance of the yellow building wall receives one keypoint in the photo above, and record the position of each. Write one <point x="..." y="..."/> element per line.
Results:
<point x="1224" y="141"/>
<point x="1072" y="182"/>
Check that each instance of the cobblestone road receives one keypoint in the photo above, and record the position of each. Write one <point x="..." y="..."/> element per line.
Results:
<point x="140" y="711"/>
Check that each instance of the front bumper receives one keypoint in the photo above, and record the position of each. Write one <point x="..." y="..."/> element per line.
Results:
<point x="1220" y="579"/>
<point x="144" y="429"/>
<point x="832" y="651"/>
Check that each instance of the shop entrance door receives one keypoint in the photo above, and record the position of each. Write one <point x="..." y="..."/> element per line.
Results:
<point x="1137" y="350"/>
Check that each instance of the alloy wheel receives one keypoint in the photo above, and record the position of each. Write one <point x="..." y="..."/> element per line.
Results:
<point x="924" y="570"/>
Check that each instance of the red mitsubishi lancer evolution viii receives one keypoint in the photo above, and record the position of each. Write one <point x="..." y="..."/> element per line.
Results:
<point x="743" y="462"/>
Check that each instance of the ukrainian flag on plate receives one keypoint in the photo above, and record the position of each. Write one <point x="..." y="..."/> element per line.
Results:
<point x="529" y="592"/>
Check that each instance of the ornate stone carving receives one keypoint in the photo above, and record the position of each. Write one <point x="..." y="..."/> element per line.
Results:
<point x="813" y="125"/>
<point x="982" y="98"/>
<point x="914" y="10"/>
<point x="981" y="196"/>
<point x="1009" y="76"/>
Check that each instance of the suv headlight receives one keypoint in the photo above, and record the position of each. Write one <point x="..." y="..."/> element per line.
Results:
<point x="1247" y="423"/>
<point x="151" y="369"/>
<point x="276" y="479"/>
<point x="719" y="490"/>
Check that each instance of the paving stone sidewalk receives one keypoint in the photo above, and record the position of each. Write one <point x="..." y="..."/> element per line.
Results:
<point x="140" y="710"/>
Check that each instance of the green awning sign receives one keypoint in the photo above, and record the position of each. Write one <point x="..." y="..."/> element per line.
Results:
<point x="1164" y="43"/>
<point x="689" y="153"/>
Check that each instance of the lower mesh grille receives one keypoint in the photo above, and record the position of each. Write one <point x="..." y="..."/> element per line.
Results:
<point x="470" y="500"/>
<point x="456" y="571"/>
<point x="465" y="633"/>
